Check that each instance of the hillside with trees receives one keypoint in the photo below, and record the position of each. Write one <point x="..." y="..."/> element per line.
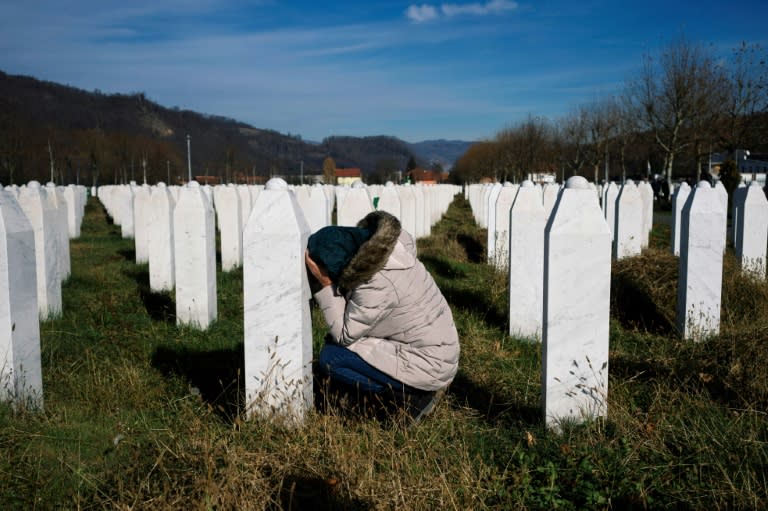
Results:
<point x="50" y="131"/>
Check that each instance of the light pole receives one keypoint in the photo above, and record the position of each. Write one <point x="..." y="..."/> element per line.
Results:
<point x="189" y="159"/>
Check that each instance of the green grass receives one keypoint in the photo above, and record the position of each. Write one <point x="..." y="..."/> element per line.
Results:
<point x="142" y="414"/>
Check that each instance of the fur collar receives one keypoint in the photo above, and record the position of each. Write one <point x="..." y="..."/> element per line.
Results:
<point x="373" y="254"/>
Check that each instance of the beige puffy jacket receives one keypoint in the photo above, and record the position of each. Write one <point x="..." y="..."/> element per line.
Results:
<point x="388" y="309"/>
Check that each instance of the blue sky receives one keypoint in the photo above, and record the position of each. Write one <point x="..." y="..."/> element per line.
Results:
<point x="418" y="71"/>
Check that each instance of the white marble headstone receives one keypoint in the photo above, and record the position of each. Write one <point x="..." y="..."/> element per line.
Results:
<point x="646" y="194"/>
<point x="354" y="207"/>
<point x="678" y="201"/>
<point x="408" y="208"/>
<point x="316" y="209"/>
<point x="141" y="213"/>
<point x="628" y="227"/>
<point x="227" y="204"/>
<point x="527" y="219"/>
<point x="278" y="325"/>
<point x="500" y="256"/>
<point x="161" y="260"/>
<point x="702" y="242"/>
<point x="33" y="202"/>
<point x="389" y="200"/>
<point x="753" y="224"/>
<point x="739" y="196"/>
<point x="194" y="238"/>
<point x="490" y="220"/>
<point x="20" y="368"/>
<point x="577" y="287"/>
<point x="610" y="194"/>
<point x="57" y="209"/>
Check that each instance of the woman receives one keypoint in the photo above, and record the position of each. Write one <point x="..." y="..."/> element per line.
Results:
<point x="390" y="328"/>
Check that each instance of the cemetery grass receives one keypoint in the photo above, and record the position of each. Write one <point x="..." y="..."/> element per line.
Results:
<point x="142" y="414"/>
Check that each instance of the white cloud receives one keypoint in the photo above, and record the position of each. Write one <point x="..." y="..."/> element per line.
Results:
<point x="421" y="13"/>
<point x="479" y="9"/>
<point x="427" y="12"/>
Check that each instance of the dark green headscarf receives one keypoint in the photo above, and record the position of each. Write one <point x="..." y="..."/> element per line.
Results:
<point x="334" y="247"/>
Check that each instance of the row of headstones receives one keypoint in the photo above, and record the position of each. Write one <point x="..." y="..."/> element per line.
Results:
<point x="558" y="248"/>
<point x="184" y="260"/>
<point x="36" y="224"/>
<point x="559" y="278"/>
<point x="749" y="219"/>
<point x="278" y="328"/>
<point x="628" y="210"/>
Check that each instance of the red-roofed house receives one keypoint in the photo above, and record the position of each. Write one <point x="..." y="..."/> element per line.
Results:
<point x="348" y="176"/>
<point x="427" y="177"/>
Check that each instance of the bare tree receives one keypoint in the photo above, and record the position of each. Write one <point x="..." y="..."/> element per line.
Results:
<point x="672" y="93"/>
<point x="574" y="133"/>
<point x="601" y="119"/>
<point x="627" y="129"/>
<point x="747" y="98"/>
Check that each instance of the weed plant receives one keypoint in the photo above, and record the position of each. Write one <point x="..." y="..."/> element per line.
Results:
<point x="143" y="414"/>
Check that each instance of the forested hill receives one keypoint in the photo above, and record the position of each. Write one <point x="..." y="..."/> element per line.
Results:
<point x="105" y="137"/>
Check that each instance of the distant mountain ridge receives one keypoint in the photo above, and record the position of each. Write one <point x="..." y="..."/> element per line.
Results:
<point x="444" y="152"/>
<point x="104" y="132"/>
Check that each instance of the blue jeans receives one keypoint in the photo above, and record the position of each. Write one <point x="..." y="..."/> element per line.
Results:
<point x="346" y="366"/>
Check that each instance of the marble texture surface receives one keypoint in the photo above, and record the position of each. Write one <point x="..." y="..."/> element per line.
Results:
<point x="628" y="227"/>
<point x="57" y="210"/>
<point x="227" y="205"/>
<point x="330" y="194"/>
<point x="245" y="204"/>
<point x="678" y="201"/>
<point x="125" y="210"/>
<point x="753" y="224"/>
<point x="141" y="199"/>
<point x="700" y="276"/>
<point x="500" y="256"/>
<point x="407" y="208"/>
<point x="161" y="260"/>
<point x="194" y="240"/>
<point x="646" y="195"/>
<point x="427" y="207"/>
<point x="74" y="206"/>
<point x="389" y="200"/>
<point x="277" y="321"/>
<point x="527" y="219"/>
<point x="421" y="217"/>
<point x="40" y="215"/>
<point x="354" y="207"/>
<point x="20" y="368"/>
<point x="316" y="212"/>
<point x="577" y="286"/>
<point x="490" y="220"/>
<point x="610" y="194"/>
<point x="549" y="194"/>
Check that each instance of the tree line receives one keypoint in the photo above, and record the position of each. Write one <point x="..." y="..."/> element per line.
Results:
<point x="683" y="104"/>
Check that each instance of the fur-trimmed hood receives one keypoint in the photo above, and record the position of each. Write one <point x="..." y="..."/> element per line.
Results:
<point x="374" y="253"/>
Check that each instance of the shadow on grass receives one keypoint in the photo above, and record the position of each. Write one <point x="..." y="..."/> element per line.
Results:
<point x="475" y="249"/>
<point x="443" y="268"/>
<point x="218" y="375"/>
<point x="300" y="492"/>
<point x="477" y="302"/>
<point x="635" y="308"/>
<point x="160" y="306"/>
<point x="494" y="408"/>
<point x="129" y="254"/>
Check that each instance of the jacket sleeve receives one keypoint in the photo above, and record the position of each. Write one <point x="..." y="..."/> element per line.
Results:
<point x="352" y="319"/>
<point x="332" y="304"/>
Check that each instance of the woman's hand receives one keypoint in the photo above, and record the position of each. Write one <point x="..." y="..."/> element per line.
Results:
<point x="317" y="270"/>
